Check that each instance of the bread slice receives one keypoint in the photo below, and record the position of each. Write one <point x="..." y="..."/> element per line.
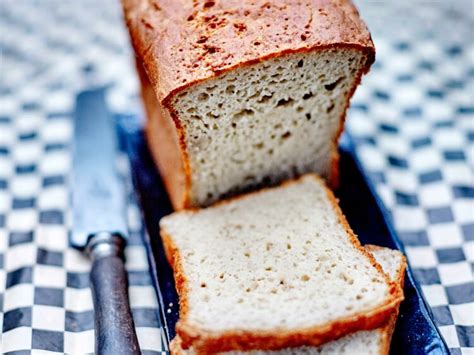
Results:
<point x="368" y="342"/>
<point x="273" y="269"/>
<point x="240" y="94"/>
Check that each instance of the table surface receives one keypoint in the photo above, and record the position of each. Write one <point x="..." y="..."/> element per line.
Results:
<point x="412" y="119"/>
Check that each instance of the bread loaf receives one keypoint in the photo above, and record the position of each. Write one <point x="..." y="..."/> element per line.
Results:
<point x="273" y="269"/>
<point x="241" y="94"/>
<point x="367" y="342"/>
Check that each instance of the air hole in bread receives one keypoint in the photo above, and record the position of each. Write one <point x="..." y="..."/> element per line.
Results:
<point x="203" y="96"/>
<point x="286" y="135"/>
<point x="258" y="93"/>
<point x="285" y="102"/>
<point x="307" y="96"/>
<point x="333" y="85"/>
<point x="203" y="285"/>
<point x="230" y="89"/>
<point x="212" y="115"/>
<point x="244" y="112"/>
<point x="308" y="116"/>
<point x="300" y="63"/>
<point x="265" y="98"/>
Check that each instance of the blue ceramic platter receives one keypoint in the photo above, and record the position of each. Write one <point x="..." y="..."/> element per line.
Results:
<point x="415" y="332"/>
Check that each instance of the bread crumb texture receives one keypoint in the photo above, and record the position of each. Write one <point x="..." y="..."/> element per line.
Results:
<point x="272" y="268"/>
<point x="265" y="123"/>
<point x="369" y="342"/>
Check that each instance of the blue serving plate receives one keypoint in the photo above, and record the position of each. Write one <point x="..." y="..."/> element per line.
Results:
<point x="415" y="332"/>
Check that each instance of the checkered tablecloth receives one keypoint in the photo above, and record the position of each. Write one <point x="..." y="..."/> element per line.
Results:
<point x="412" y="119"/>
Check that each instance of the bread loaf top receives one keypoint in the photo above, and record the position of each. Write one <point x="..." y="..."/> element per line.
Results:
<point x="182" y="42"/>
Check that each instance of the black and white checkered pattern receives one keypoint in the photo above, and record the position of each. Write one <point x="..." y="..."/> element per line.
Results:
<point x="412" y="120"/>
<point x="45" y="298"/>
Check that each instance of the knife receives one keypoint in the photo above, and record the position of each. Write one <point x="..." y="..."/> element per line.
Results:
<point x="99" y="227"/>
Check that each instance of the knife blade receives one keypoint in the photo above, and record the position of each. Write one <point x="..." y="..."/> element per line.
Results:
<point x="99" y="222"/>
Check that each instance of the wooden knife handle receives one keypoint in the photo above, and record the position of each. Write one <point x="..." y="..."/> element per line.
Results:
<point x="114" y="328"/>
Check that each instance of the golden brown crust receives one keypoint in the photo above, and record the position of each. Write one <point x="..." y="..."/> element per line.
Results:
<point x="164" y="141"/>
<point x="333" y="180"/>
<point x="400" y="280"/>
<point x="334" y="177"/>
<point x="181" y="283"/>
<point x="204" y="341"/>
<point x="176" y="346"/>
<point x="183" y="42"/>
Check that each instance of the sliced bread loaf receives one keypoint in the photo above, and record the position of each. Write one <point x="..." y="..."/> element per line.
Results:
<point x="367" y="342"/>
<point x="244" y="93"/>
<point x="273" y="269"/>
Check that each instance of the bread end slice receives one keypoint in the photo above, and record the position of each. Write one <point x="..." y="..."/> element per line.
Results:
<point x="376" y="342"/>
<point x="255" y="230"/>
